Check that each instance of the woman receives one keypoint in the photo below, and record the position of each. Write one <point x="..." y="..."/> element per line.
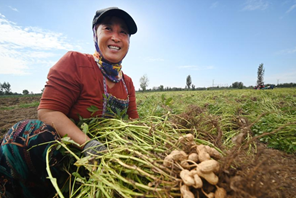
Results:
<point x="75" y="83"/>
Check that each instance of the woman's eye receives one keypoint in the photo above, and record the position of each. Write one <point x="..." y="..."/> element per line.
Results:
<point x="107" y="28"/>
<point x="124" y="32"/>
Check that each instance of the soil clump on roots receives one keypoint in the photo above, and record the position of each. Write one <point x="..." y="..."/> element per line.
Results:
<point x="248" y="169"/>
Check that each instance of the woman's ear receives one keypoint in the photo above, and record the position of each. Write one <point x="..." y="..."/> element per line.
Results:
<point x="96" y="26"/>
<point x="95" y="31"/>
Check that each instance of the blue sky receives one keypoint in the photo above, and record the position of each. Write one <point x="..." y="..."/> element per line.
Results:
<point x="215" y="42"/>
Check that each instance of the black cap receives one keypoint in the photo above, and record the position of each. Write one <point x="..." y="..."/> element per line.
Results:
<point x="114" y="11"/>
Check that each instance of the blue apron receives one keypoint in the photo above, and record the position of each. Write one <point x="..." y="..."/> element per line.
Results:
<point x="112" y="106"/>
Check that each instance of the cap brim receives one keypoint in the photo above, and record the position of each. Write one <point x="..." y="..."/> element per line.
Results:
<point x="131" y="25"/>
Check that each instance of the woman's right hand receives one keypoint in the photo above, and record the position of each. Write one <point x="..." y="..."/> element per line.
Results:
<point x="93" y="147"/>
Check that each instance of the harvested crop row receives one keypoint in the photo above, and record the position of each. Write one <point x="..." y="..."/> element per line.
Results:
<point x="134" y="165"/>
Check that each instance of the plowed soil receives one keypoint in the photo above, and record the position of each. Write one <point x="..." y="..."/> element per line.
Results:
<point x="266" y="173"/>
<point x="11" y="110"/>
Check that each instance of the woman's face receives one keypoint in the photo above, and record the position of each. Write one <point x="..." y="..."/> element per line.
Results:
<point x="113" y="39"/>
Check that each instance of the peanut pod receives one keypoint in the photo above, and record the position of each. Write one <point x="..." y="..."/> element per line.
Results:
<point x="220" y="193"/>
<point x="209" y="177"/>
<point x="186" y="177"/>
<point x="185" y="192"/>
<point x="202" y="153"/>
<point x="213" y="152"/>
<point x="209" y="166"/>
<point x="193" y="157"/>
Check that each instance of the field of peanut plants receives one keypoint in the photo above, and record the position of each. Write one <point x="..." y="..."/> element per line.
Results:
<point x="264" y="111"/>
<point x="210" y="143"/>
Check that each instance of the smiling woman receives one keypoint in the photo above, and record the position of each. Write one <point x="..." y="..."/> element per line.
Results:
<point x="75" y="83"/>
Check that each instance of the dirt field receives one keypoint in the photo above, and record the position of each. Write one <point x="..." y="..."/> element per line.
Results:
<point x="267" y="174"/>
<point x="14" y="113"/>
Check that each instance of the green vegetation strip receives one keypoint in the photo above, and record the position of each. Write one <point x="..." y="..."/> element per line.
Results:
<point x="22" y="105"/>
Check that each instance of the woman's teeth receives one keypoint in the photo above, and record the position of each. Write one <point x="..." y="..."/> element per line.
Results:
<point x="113" y="47"/>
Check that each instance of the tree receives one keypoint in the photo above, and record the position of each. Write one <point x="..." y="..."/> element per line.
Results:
<point x="1" y="89"/>
<point x="260" y="74"/>
<point x="144" y="81"/>
<point x="238" y="85"/>
<point x="160" y="88"/>
<point x="6" y="88"/>
<point x="25" y="92"/>
<point x="188" y="81"/>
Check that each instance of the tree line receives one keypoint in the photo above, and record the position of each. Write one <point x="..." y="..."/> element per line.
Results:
<point x="235" y="85"/>
<point x="5" y="89"/>
<point x="144" y="82"/>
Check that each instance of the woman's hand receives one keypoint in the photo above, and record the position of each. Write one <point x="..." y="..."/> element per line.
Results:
<point x="93" y="147"/>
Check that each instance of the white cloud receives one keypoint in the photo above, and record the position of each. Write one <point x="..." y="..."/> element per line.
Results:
<point x="21" y="47"/>
<point x="255" y="5"/>
<point x="31" y="37"/>
<point x="14" y="9"/>
<point x="11" y="65"/>
<point x="40" y="55"/>
<point x="291" y="8"/>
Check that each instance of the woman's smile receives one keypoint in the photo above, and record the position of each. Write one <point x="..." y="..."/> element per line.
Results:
<point x="112" y="47"/>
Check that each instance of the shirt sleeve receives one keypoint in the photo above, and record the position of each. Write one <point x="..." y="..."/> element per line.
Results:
<point x="62" y="88"/>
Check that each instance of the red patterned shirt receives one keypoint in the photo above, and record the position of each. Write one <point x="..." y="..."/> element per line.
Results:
<point x="75" y="83"/>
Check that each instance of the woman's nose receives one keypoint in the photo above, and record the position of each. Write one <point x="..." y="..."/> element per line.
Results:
<point x="115" y="38"/>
